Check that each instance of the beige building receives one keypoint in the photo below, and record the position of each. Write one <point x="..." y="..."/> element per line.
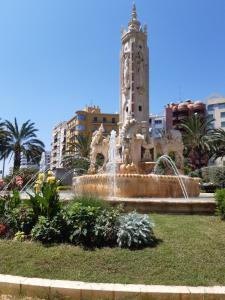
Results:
<point x="58" y="145"/>
<point x="88" y="120"/>
<point x="216" y="110"/>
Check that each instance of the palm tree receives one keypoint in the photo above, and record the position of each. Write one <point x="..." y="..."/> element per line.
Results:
<point x="78" y="154"/>
<point x="3" y="142"/>
<point x="218" y="141"/>
<point x="22" y="140"/>
<point x="197" y="133"/>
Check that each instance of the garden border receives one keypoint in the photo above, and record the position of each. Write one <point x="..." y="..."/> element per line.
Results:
<point x="64" y="289"/>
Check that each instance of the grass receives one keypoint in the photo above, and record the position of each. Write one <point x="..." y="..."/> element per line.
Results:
<point x="191" y="252"/>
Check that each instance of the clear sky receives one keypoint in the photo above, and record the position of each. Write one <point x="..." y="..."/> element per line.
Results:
<point x="56" y="56"/>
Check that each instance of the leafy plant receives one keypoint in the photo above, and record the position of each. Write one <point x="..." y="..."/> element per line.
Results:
<point x="13" y="201"/>
<point x="21" y="219"/>
<point x="135" y="231"/>
<point x="220" y="203"/>
<point x="106" y="227"/>
<point x="49" y="230"/>
<point x="81" y="222"/>
<point x="45" y="201"/>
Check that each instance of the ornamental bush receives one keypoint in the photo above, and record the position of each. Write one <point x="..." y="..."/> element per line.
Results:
<point x="21" y="219"/>
<point x="81" y="223"/>
<point x="49" y="230"/>
<point x="106" y="227"/>
<point x="135" y="231"/>
<point x="220" y="203"/>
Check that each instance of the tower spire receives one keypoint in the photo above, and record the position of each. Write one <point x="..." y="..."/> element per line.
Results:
<point x="134" y="12"/>
<point x="134" y="24"/>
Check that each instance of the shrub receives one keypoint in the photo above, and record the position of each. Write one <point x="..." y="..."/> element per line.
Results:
<point x="135" y="231"/>
<point x="21" y="219"/>
<point x="49" y="230"/>
<point x="106" y="227"/>
<point x="220" y="203"/>
<point x="81" y="221"/>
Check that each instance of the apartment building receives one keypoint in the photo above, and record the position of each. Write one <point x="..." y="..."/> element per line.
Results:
<point x="178" y="112"/>
<point x="88" y="120"/>
<point x="216" y="110"/>
<point x="157" y="124"/>
<point x="58" y="145"/>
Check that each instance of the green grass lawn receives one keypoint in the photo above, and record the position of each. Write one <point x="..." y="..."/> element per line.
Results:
<point x="191" y="252"/>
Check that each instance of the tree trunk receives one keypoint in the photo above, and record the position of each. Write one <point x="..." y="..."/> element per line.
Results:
<point x="3" y="167"/>
<point x="17" y="161"/>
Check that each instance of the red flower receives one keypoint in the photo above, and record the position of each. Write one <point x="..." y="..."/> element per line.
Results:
<point x="3" y="229"/>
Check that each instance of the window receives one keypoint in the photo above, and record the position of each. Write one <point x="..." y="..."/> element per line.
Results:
<point x="95" y="120"/>
<point x="80" y="117"/>
<point x="127" y="109"/>
<point x="222" y="124"/>
<point x="222" y="114"/>
<point x="211" y="107"/>
<point x="221" y="105"/>
<point x="140" y="108"/>
<point x="210" y="116"/>
<point x="158" y="121"/>
<point x="80" y="127"/>
<point x="113" y="120"/>
<point x="104" y="120"/>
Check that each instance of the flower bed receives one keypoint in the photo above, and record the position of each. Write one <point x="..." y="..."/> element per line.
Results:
<point x="86" y="221"/>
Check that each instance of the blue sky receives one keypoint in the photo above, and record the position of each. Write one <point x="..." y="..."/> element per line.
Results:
<point x="57" y="56"/>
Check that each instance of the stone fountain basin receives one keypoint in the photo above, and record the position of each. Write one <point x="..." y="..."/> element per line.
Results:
<point x="135" y="185"/>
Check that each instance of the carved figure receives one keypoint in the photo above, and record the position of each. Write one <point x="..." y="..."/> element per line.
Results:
<point x="99" y="145"/>
<point x="126" y="79"/>
<point x="140" y="69"/>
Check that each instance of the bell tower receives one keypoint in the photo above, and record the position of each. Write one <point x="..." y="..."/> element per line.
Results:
<point x="134" y="74"/>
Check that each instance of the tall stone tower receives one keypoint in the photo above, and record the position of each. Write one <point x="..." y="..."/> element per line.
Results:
<point x="134" y="74"/>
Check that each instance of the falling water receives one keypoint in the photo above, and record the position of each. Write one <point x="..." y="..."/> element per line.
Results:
<point x="175" y="170"/>
<point x="112" y="160"/>
<point x="31" y="182"/>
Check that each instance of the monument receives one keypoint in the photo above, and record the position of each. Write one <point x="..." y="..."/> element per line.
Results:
<point x="136" y="150"/>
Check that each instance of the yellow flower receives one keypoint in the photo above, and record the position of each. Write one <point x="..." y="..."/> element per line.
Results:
<point x="41" y="176"/>
<point x="51" y="179"/>
<point x="36" y="188"/>
<point x="50" y="173"/>
<point x="39" y="182"/>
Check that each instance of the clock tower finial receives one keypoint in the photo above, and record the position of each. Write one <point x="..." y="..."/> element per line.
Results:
<point x="134" y="24"/>
<point x="134" y="12"/>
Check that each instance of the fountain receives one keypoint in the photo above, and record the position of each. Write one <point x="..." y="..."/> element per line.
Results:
<point x="130" y="157"/>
